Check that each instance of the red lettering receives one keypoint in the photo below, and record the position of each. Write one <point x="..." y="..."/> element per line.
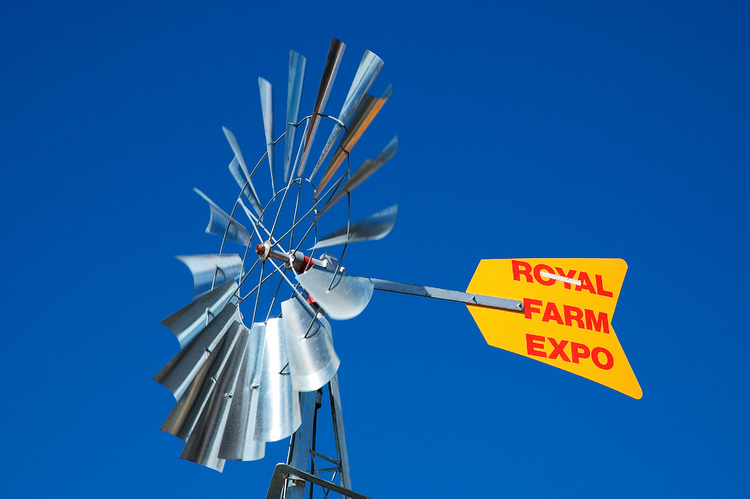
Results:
<point x="544" y="281"/>
<point x="569" y="275"/>
<point x="521" y="268"/>
<point x="557" y="349"/>
<point x="578" y="351"/>
<point x="585" y="283"/>
<point x="551" y="313"/>
<point x="528" y="308"/>
<point x="535" y="345"/>
<point x="600" y="323"/>
<point x="595" y="358"/>
<point x="600" y="287"/>
<point x="573" y="314"/>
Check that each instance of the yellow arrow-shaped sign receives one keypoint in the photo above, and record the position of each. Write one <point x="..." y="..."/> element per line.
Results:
<point x="566" y="322"/>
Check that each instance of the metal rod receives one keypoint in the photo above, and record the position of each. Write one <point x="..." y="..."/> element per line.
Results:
<point x="446" y="294"/>
<point x="294" y="218"/>
<point x="257" y="297"/>
<point x="299" y="446"/>
<point x="273" y="300"/>
<point x="338" y="433"/>
<point x="240" y="299"/>
<point x="313" y="467"/>
<point x="346" y="244"/>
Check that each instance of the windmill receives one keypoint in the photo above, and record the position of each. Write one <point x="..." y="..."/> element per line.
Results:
<point x="245" y="378"/>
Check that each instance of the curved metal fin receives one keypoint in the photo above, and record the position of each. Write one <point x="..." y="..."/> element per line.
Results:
<point x="278" y="414"/>
<point x="369" y="167"/>
<point x="238" y="443"/>
<point x="190" y="319"/>
<point x="203" y="444"/>
<point x="177" y="375"/>
<point x="211" y="270"/>
<point x="342" y="297"/>
<point x="369" y="108"/>
<point x="239" y="177"/>
<point x="368" y="69"/>
<point x="220" y="220"/>
<point x="182" y="418"/>
<point x="297" y="64"/>
<point x="335" y="53"/>
<point x="309" y="344"/>
<point x="244" y="181"/>
<point x="266" y="105"/>
<point x="372" y="228"/>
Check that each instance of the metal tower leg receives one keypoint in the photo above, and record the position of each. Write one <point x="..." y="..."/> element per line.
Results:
<point x="299" y="446"/>
<point x="301" y="468"/>
<point x="338" y="431"/>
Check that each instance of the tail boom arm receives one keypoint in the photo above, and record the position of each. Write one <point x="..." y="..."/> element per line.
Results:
<point x="448" y="295"/>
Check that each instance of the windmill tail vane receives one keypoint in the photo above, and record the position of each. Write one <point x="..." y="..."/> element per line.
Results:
<point x="256" y="341"/>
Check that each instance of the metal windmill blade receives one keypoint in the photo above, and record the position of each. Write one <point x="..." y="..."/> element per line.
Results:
<point x="363" y="173"/>
<point x="245" y="180"/>
<point x="266" y="104"/>
<point x="335" y="53"/>
<point x="297" y="65"/>
<point x="212" y="270"/>
<point x="341" y="296"/>
<point x="371" y="228"/>
<point x="239" y="442"/>
<point x="278" y="412"/>
<point x="309" y="345"/>
<point x="222" y="225"/>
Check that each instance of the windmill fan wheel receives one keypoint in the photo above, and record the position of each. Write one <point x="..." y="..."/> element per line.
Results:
<point x="257" y="332"/>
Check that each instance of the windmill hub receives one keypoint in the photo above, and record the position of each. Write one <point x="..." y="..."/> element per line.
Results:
<point x="264" y="251"/>
<point x="297" y="259"/>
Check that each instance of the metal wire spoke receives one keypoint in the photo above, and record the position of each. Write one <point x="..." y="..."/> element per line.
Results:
<point x="281" y="205"/>
<point x="260" y="284"/>
<point x="257" y="296"/>
<point x="294" y="217"/>
<point x="314" y="223"/>
<point x="246" y="276"/>
<point x="276" y="293"/>
<point x="346" y="244"/>
<point x="276" y="242"/>
<point x="311" y="210"/>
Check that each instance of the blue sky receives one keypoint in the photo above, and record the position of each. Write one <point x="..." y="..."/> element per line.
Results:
<point x="526" y="129"/>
